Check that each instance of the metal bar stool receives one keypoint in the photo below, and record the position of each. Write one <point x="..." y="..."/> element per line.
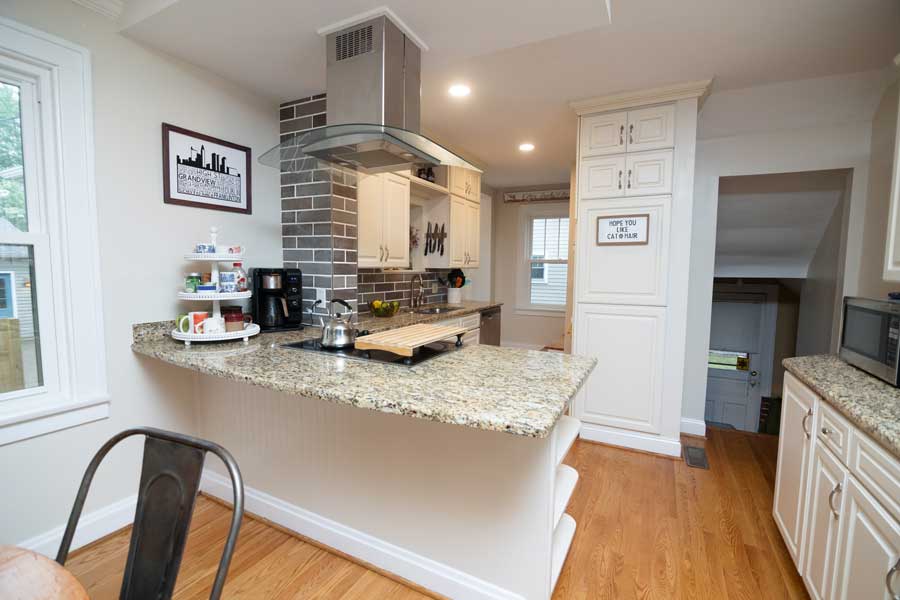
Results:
<point x="170" y="480"/>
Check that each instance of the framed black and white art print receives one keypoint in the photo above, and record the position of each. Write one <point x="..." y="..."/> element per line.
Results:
<point x="205" y="172"/>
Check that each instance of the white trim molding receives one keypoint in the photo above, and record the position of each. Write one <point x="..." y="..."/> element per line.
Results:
<point x="91" y="527"/>
<point x="634" y="99"/>
<point x="421" y="570"/>
<point x="56" y="75"/>
<point x="111" y="9"/>
<point x="695" y="427"/>
<point x="631" y="440"/>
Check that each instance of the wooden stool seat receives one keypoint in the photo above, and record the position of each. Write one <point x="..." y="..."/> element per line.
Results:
<point x="27" y="575"/>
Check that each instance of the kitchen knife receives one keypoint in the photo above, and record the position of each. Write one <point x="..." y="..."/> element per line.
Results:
<point x="427" y="238"/>
<point x="443" y="235"/>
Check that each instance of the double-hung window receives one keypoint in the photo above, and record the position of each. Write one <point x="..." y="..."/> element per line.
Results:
<point x="544" y="259"/>
<point x="52" y="357"/>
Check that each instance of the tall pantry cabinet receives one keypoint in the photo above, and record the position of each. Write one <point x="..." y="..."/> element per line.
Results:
<point x="634" y="188"/>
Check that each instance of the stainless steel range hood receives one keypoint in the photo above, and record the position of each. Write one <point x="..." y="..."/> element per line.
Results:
<point x="372" y="91"/>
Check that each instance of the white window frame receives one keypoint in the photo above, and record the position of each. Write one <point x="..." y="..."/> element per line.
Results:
<point x="58" y="148"/>
<point x="523" y="270"/>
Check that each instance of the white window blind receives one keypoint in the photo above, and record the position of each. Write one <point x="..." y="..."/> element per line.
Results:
<point x="548" y="261"/>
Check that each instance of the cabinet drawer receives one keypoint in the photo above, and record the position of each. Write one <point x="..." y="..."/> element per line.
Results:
<point x="833" y="430"/>
<point x="471" y="321"/>
<point x="878" y="471"/>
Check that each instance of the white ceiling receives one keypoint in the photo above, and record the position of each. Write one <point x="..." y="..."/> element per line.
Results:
<point x="771" y="225"/>
<point x="526" y="59"/>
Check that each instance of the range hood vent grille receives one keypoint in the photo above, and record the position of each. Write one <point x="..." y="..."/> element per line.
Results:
<point x="353" y="43"/>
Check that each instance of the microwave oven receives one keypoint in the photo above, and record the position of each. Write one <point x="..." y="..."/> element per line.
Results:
<point x="869" y="337"/>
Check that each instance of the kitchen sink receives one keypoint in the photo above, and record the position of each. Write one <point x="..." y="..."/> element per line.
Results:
<point x="435" y="310"/>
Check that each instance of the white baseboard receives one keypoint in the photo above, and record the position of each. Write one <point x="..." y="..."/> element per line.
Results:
<point x="413" y="567"/>
<point x="693" y="426"/>
<point x="91" y="526"/>
<point x="507" y="344"/>
<point x="631" y="439"/>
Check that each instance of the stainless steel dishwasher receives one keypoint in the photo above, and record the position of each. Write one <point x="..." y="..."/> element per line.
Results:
<point x="490" y="327"/>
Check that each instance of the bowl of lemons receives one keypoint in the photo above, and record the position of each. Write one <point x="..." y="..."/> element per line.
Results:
<point x="384" y="308"/>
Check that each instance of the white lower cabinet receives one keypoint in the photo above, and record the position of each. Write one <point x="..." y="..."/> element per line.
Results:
<point x="845" y="541"/>
<point x="826" y="496"/>
<point x="794" y="446"/>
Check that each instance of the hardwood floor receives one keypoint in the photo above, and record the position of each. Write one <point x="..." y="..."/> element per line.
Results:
<point x="648" y="527"/>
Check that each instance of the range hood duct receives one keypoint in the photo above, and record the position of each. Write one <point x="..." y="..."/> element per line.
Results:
<point x="372" y="97"/>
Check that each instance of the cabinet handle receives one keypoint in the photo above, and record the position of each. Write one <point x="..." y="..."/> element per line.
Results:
<point x="836" y="490"/>
<point x="381" y="256"/>
<point x="631" y="133"/>
<point x="387" y="253"/>
<point x="621" y="135"/>
<point x="803" y="422"/>
<point x="620" y="179"/>
<point x="629" y="179"/>
<point x="888" y="580"/>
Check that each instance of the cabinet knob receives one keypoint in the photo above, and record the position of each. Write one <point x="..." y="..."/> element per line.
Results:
<point x="826" y="431"/>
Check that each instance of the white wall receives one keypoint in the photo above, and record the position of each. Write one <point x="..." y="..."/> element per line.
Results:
<point x="820" y="290"/>
<point x="787" y="127"/>
<point x="141" y="243"/>
<point x="884" y="127"/>
<point x="527" y="330"/>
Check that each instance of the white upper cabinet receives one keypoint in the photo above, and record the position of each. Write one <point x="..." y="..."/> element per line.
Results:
<point x="603" y="134"/>
<point x="396" y="221"/>
<point x="473" y="234"/>
<point x="465" y="183"/>
<point x="651" y="128"/>
<point x="892" y="245"/>
<point x="602" y="177"/>
<point x="383" y="221"/>
<point x="648" y="173"/>
<point x="628" y="131"/>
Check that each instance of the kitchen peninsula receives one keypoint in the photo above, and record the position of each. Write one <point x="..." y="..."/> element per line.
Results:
<point x="466" y="498"/>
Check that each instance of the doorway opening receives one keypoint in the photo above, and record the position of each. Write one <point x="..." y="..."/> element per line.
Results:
<point x="777" y="288"/>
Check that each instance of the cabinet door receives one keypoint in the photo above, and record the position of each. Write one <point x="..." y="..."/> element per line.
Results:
<point x="370" y="194"/>
<point x="625" y="389"/>
<point x="459" y="181"/>
<point x="868" y="563"/>
<point x="826" y="489"/>
<point x="473" y="234"/>
<point x="473" y="186"/>
<point x="602" y="177"/>
<point x="795" y="443"/>
<point x="396" y="220"/>
<point x="457" y="237"/>
<point x="651" y="128"/>
<point x="616" y="274"/>
<point x="892" y="242"/>
<point x="648" y="173"/>
<point x="603" y="134"/>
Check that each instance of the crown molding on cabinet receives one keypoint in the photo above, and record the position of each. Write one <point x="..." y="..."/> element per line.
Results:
<point x="111" y="9"/>
<point x="669" y="93"/>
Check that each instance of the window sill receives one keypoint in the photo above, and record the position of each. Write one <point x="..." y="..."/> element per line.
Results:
<point x="40" y="418"/>
<point x="530" y="311"/>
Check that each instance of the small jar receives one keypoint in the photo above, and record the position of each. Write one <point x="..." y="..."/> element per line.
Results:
<point x="191" y="281"/>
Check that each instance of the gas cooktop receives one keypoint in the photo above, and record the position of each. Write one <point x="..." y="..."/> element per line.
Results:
<point x="422" y="354"/>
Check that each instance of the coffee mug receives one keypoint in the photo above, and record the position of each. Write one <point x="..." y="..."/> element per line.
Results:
<point x="213" y="325"/>
<point x="192" y="322"/>
<point x="235" y="321"/>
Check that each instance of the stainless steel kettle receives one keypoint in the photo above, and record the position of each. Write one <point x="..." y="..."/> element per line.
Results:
<point x="338" y="332"/>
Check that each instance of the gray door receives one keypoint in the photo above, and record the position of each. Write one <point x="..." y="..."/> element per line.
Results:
<point x="733" y="394"/>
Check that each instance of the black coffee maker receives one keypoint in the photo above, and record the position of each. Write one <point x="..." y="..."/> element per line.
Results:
<point x="277" y="298"/>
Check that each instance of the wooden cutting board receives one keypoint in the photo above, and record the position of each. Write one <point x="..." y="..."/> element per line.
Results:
<point x="405" y="340"/>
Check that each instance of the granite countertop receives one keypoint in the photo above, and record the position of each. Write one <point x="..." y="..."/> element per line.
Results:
<point x="868" y="402"/>
<point x="523" y="392"/>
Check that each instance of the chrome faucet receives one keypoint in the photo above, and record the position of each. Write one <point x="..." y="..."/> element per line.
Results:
<point x="416" y="298"/>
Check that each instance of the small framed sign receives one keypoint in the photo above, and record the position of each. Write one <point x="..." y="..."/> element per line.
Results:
<point x="205" y="172"/>
<point x="623" y="230"/>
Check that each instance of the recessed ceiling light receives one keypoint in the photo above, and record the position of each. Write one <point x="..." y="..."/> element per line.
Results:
<point x="459" y="90"/>
<point x="526" y="147"/>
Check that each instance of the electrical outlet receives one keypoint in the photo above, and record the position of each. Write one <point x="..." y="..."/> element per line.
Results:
<point x="320" y="294"/>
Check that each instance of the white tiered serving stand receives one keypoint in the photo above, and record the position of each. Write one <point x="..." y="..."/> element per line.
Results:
<point x="249" y="330"/>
